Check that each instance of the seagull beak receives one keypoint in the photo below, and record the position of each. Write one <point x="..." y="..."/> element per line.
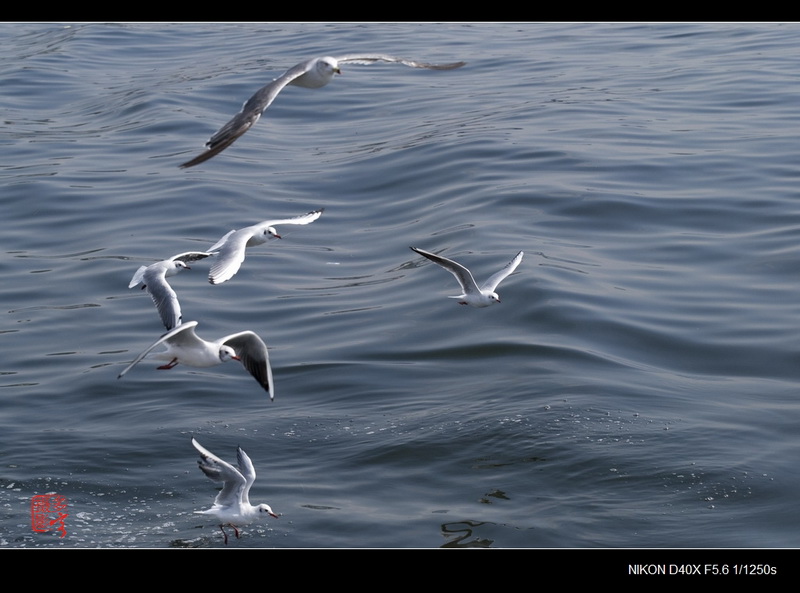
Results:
<point x="274" y="515"/>
<point x="337" y="70"/>
<point x="236" y="358"/>
<point x="277" y="236"/>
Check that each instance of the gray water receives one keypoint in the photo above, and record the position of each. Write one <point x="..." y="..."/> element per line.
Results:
<point x="636" y="387"/>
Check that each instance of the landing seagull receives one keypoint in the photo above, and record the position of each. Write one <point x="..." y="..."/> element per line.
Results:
<point x="153" y="278"/>
<point x="232" y="246"/>
<point x="232" y="505"/>
<point x="311" y="74"/>
<point x="472" y="294"/>
<point x="184" y="346"/>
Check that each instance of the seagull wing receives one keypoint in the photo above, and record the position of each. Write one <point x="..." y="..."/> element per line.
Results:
<point x="215" y="247"/>
<point x="372" y="58"/>
<point x="235" y="485"/>
<point x="462" y="274"/>
<point x="192" y="256"/>
<point x="498" y="277"/>
<point x="164" y="297"/>
<point x="252" y="351"/>
<point x="137" y="277"/>
<point x="247" y="470"/>
<point x="306" y="218"/>
<point x="249" y="115"/>
<point x="231" y="255"/>
<point x="183" y="334"/>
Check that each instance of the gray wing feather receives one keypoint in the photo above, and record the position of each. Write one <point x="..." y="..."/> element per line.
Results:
<point x="248" y="116"/>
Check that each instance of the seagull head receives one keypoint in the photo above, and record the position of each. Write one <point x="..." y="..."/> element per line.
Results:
<point x="177" y="266"/>
<point x="268" y="233"/>
<point x="328" y="66"/>
<point x="265" y="508"/>
<point x="227" y="353"/>
<point x="485" y="299"/>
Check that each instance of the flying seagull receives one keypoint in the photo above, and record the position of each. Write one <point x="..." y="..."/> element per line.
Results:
<point x="471" y="293"/>
<point x="153" y="278"/>
<point x="184" y="346"/>
<point x="311" y="74"/>
<point x="231" y="247"/>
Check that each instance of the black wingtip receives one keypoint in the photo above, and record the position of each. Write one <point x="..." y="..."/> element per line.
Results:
<point x="211" y="151"/>
<point x="201" y="158"/>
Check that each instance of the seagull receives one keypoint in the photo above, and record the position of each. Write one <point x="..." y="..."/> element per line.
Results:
<point x="472" y="294"/>
<point x="153" y="278"/>
<point x="231" y="247"/>
<point x="184" y="346"/>
<point x="311" y="74"/>
<point x="232" y="505"/>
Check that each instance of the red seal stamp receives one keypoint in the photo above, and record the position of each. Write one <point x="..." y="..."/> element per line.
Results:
<point x="47" y="513"/>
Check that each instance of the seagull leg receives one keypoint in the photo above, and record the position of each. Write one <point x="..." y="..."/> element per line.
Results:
<point x="223" y="533"/>
<point x="169" y="365"/>
<point x="235" y="530"/>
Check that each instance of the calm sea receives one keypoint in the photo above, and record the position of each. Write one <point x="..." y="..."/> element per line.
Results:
<point x="637" y="387"/>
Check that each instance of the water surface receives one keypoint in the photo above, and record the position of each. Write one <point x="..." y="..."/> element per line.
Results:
<point x="636" y="387"/>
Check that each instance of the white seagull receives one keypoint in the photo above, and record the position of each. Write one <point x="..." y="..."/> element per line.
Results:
<point x="232" y="246"/>
<point x="184" y="346"/>
<point x="232" y="505"/>
<point x="311" y="74"/>
<point x="153" y="278"/>
<point x="472" y="294"/>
